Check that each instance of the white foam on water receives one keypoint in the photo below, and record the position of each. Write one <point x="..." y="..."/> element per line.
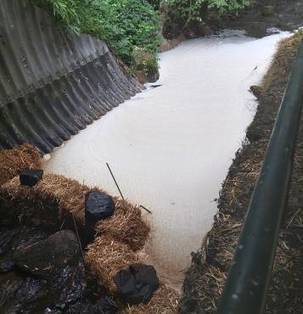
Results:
<point x="170" y="147"/>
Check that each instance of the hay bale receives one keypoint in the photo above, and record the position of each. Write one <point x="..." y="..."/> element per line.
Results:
<point x="126" y="225"/>
<point x="164" y="301"/>
<point x="13" y="161"/>
<point x="48" y="202"/>
<point x="106" y="257"/>
<point x="24" y="205"/>
<point x="69" y="194"/>
<point x="55" y="197"/>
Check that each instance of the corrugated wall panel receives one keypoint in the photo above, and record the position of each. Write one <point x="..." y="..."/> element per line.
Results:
<point x="52" y="84"/>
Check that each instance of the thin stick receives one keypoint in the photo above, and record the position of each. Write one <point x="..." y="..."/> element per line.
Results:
<point x="117" y="185"/>
<point x="62" y="224"/>
<point x="115" y="181"/>
<point x="78" y="237"/>
<point x="145" y="209"/>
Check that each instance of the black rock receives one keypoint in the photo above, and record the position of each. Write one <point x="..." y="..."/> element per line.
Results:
<point x="98" y="205"/>
<point x="6" y="238"/>
<point x="50" y="276"/>
<point x="6" y="265"/>
<point x="105" y="305"/>
<point x="137" y="284"/>
<point x="46" y="256"/>
<point x="30" y="177"/>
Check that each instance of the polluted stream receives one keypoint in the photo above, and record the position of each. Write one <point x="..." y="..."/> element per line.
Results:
<point x="170" y="146"/>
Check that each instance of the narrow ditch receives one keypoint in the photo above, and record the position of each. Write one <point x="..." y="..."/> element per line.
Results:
<point x="170" y="147"/>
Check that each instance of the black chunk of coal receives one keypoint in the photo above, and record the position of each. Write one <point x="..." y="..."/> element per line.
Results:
<point x="30" y="177"/>
<point x="98" y="205"/>
<point x="137" y="284"/>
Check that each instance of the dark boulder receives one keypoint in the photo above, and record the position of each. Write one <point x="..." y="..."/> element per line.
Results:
<point x="19" y="294"/>
<point x="46" y="256"/>
<point x="6" y="239"/>
<point x="98" y="205"/>
<point x="66" y="288"/>
<point x="137" y="284"/>
<point x="11" y="239"/>
<point x="30" y="177"/>
<point x="6" y="265"/>
<point x="105" y="305"/>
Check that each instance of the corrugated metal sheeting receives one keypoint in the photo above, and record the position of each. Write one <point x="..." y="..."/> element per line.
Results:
<point x="52" y="84"/>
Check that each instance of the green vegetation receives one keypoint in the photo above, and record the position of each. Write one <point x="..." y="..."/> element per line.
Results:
<point x="195" y="5"/>
<point x="195" y="10"/>
<point x="192" y="8"/>
<point x="132" y="27"/>
<point x="182" y="15"/>
<point x="126" y="25"/>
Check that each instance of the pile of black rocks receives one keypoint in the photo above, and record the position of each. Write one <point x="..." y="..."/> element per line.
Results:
<point x="43" y="271"/>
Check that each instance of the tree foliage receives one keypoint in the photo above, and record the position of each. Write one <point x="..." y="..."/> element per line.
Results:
<point x="132" y="27"/>
<point x="192" y="10"/>
<point x="124" y="24"/>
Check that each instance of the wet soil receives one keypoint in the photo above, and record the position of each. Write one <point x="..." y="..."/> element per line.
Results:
<point x="264" y="16"/>
<point x="261" y="18"/>
<point x="205" y="279"/>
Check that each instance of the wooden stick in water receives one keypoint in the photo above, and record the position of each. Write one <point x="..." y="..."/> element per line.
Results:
<point x="117" y="185"/>
<point x="111" y="173"/>
<point x="146" y="209"/>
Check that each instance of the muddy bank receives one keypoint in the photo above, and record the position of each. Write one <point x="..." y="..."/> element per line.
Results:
<point x="261" y="18"/>
<point x="264" y="16"/>
<point x="205" y="279"/>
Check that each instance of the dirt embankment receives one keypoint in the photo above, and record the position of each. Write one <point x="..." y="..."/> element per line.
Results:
<point x="261" y="16"/>
<point x="258" y="20"/>
<point x="205" y="279"/>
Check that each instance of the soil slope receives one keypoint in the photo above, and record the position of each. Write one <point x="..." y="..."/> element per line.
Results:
<point x="262" y="15"/>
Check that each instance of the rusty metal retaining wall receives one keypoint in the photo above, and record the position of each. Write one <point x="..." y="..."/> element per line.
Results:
<point x="52" y="84"/>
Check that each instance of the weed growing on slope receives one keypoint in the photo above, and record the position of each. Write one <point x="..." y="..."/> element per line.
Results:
<point x="124" y="24"/>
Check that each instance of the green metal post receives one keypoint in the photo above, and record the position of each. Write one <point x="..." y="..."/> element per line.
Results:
<point x="250" y="273"/>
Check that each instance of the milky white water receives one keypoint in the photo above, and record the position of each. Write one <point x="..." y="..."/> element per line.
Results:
<point x="170" y="147"/>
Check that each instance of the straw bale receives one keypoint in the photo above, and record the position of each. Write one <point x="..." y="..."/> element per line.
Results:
<point x="13" y="161"/>
<point x="126" y="225"/>
<point x="106" y="257"/>
<point x="164" y="301"/>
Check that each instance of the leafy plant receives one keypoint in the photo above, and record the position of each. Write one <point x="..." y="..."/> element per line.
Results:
<point x="189" y="11"/>
<point x="123" y="24"/>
